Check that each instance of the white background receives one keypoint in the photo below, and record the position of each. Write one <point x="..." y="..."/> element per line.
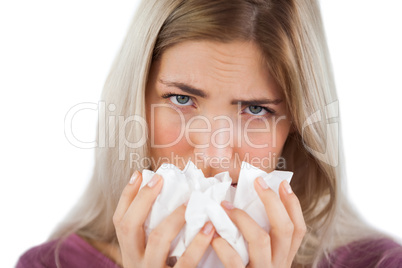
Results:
<point x="56" y="54"/>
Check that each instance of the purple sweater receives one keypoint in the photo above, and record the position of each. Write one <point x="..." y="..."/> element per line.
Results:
<point x="76" y="252"/>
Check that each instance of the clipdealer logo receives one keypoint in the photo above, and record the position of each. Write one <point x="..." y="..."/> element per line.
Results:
<point x="328" y="115"/>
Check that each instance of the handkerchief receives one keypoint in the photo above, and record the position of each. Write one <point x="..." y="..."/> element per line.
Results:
<point x="204" y="196"/>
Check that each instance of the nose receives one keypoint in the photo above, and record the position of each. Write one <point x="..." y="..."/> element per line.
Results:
<point x="212" y="139"/>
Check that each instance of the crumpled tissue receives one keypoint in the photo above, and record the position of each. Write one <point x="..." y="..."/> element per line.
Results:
<point x="204" y="196"/>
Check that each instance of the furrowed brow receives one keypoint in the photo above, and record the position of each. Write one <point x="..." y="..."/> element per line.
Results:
<point x="186" y="88"/>
<point x="198" y="92"/>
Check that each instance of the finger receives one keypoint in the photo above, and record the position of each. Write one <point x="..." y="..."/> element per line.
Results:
<point x="257" y="238"/>
<point x="131" y="226"/>
<point x="292" y="205"/>
<point x="228" y="255"/>
<point x="194" y="252"/>
<point x="139" y="209"/>
<point x="281" y="225"/>
<point x="161" y="237"/>
<point x="127" y="196"/>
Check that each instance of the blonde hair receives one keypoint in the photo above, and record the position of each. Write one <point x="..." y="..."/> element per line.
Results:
<point x="291" y="36"/>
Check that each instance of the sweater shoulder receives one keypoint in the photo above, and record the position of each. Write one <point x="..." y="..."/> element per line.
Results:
<point x="379" y="253"/>
<point x="69" y="252"/>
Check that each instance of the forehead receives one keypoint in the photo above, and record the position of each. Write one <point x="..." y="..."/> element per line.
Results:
<point x="217" y="67"/>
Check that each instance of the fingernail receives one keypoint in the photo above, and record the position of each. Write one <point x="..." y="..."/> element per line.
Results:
<point x="171" y="261"/>
<point x="262" y="183"/>
<point x="186" y="203"/>
<point x="216" y="235"/>
<point x="287" y="187"/>
<point x="134" y="176"/>
<point x="155" y="179"/>
<point x="207" y="228"/>
<point x="227" y="205"/>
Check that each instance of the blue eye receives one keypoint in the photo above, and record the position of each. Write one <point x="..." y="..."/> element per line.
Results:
<point x="179" y="100"/>
<point x="183" y="100"/>
<point x="256" y="110"/>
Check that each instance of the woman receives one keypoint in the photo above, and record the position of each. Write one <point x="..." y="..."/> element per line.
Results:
<point x="184" y="60"/>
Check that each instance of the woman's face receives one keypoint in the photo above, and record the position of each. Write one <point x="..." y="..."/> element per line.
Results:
<point x="217" y="105"/>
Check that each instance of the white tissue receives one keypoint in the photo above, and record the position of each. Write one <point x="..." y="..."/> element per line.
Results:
<point x="204" y="196"/>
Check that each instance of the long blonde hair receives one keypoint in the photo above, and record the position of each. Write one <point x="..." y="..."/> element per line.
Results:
<point x="291" y="36"/>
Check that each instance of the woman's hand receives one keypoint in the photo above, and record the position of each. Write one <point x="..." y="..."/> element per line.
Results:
<point x="130" y="215"/>
<point x="279" y="247"/>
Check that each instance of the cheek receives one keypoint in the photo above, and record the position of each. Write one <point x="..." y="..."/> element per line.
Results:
<point x="264" y="158"/>
<point x="166" y="136"/>
<point x="270" y="133"/>
<point x="262" y="144"/>
<point x="165" y="127"/>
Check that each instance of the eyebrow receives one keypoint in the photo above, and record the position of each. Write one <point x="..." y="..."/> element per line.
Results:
<point x="186" y="88"/>
<point x="198" y="92"/>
